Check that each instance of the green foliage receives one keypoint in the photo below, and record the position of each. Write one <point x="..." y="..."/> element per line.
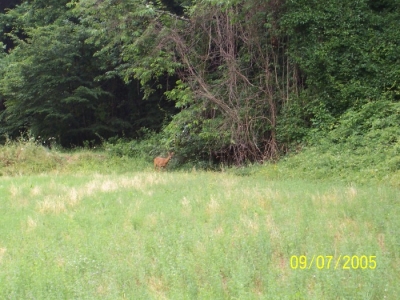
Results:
<point x="292" y="124"/>
<point x="48" y="86"/>
<point x="224" y="81"/>
<point x="233" y="101"/>
<point x="200" y="135"/>
<point x="375" y="124"/>
<point x="126" y="34"/>
<point x="345" y="50"/>
<point x="364" y="146"/>
<point x="61" y="76"/>
<point x="146" y="148"/>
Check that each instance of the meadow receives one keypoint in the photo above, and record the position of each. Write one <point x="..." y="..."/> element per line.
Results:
<point x="89" y="226"/>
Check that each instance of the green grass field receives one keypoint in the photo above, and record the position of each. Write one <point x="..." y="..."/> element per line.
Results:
<point x="91" y="232"/>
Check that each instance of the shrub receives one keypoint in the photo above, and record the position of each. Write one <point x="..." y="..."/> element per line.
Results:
<point x="150" y="145"/>
<point x="363" y="146"/>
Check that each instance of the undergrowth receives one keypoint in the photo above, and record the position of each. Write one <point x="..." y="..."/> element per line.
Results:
<point x="363" y="147"/>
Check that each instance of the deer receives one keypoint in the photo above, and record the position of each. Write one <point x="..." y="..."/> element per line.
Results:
<point x="160" y="162"/>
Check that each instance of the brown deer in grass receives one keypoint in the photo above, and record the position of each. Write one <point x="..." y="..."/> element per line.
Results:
<point x="160" y="162"/>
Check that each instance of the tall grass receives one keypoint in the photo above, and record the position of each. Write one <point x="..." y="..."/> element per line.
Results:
<point x="197" y="235"/>
<point x="90" y="225"/>
<point x="26" y="156"/>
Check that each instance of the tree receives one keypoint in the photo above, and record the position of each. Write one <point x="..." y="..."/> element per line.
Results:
<point x="235" y="66"/>
<point x="230" y="61"/>
<point x="57" y="82"/>
<point x="346" y="51"/>
<point x="48" y="86"/>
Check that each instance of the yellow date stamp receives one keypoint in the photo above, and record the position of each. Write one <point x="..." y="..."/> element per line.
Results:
<point x="321" y="262"/>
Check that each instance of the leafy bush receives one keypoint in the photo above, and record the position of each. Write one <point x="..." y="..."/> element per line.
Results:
<point x="292" y="126"/>
<point x="151" y="144"/>
<point x="363" y="146"/>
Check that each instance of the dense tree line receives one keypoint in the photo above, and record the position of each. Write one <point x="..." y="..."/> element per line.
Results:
<point x="236" y="81"/>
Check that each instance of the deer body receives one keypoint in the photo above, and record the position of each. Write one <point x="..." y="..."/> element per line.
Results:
<point x="160" y="162"/>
